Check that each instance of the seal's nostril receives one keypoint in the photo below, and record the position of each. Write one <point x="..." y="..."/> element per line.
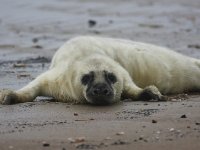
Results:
<point x="106" y="92"/>
<point x="100" y="92"/>
<point x="95" y="91"/>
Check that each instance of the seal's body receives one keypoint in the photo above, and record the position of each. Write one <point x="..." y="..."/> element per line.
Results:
<point x="102" y="70"/>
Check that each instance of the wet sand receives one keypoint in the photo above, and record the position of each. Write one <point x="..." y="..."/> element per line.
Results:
<point x="31" y="31"/>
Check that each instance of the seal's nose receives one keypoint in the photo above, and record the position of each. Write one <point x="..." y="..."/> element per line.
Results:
<point x="101" y="89"/>
<point x="100" y="94"/>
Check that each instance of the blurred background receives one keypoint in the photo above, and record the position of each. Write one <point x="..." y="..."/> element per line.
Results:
<point x="49" y="23"/>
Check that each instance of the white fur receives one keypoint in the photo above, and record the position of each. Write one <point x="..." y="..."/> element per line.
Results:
<point x="147" y="64"/>
<point x="137" y="65"/>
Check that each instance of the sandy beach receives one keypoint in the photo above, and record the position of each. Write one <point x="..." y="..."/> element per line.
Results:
<point x="31" y="32"/>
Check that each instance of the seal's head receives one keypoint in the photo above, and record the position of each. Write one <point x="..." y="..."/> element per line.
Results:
<point x="100" y="87"/>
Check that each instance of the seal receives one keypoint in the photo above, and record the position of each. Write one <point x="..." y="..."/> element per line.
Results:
<point x="101" y="71"/>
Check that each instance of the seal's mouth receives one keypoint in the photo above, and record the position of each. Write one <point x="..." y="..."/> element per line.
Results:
<point x="101" y="100"/>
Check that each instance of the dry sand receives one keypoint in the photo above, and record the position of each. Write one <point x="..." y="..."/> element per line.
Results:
<point x="30" y="33"/>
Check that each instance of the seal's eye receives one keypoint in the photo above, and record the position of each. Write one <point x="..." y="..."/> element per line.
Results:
<point x="87" y="78"/>
<point x="111" y="77"/>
